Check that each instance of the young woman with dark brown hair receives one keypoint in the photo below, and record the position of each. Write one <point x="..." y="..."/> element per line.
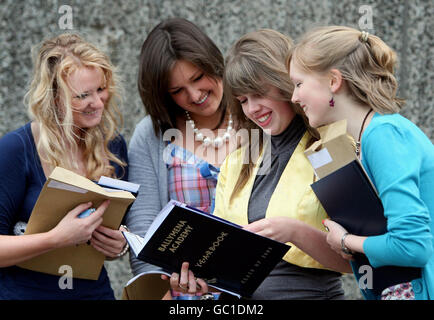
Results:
<point x="177" y="149"/>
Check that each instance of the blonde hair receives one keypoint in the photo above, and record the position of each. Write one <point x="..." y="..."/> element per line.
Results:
<point x="254" y="63"/>
<point x="365" y="61"/>
<point x="49" y="104"/>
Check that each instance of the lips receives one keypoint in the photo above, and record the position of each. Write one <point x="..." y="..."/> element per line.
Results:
<point x="89" y="113"/>
<point x="264" y="119"/>
<point x="202" y="100"/>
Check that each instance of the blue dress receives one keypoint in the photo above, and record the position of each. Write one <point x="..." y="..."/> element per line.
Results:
<point x="22" y="181"/>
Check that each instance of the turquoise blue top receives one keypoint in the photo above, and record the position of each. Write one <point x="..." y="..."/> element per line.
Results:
<point x="399" y="159"/>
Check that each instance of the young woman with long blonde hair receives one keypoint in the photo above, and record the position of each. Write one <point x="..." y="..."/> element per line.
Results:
<point x="73" y="104"/>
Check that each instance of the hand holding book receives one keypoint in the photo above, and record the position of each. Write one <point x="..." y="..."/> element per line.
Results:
<point x="186" y="282"/>
<point x="73" y="230"/>
<point x="183" y="234"/>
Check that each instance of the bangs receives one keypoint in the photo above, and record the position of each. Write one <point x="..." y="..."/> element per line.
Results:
<point x="243" y="76"/>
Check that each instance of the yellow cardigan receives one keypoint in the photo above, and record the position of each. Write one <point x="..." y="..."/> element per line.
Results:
<point x="293" y="197"/>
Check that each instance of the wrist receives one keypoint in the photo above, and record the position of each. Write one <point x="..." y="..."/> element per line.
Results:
<point x="344" y="247"/>
<point x="52" y="240"/>
<point x="296" y="232"/>
<point x="127" y="246"/>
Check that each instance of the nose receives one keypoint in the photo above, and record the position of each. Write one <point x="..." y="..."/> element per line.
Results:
<point x="194" y="93"/>
<point x="294" y="98"/>
<point x="98" y="101"/>
<point x="253" y="106"/>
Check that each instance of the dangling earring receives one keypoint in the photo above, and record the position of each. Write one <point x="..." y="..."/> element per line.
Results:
<point x="332" y="102"/>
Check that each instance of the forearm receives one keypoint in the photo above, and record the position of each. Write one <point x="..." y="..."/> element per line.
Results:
<point x="313" y="242"/>
<point x="16" y="249"/>
<point x="354" y="243"/>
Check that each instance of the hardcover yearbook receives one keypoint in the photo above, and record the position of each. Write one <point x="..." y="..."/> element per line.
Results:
<point x="62" y="192"/>
<point x="226" y="256"/>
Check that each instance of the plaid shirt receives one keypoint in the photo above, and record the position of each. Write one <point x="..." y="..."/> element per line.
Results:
<point x="191" y="180"/>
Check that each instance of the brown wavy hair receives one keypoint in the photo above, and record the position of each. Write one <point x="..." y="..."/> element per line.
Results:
<point x="255" y="62"/>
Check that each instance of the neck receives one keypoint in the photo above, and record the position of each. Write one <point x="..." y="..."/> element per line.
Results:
<point x="209" y="122"/>
<point x="355" y="114"/>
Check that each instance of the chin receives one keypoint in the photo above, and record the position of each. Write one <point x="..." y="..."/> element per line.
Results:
<point x="207" y="111"/>
<point x="314" y="124"/>
<point x="90" y="125"/>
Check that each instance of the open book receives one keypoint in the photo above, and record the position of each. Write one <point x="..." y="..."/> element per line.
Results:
<point x="62" y="192"/>
<point x="226" y="256"/>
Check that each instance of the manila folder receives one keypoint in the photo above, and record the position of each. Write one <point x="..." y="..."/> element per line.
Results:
<point x="62" y="192"/>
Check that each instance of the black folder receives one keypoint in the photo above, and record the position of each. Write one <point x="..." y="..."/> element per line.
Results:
<point x="350" y="199"/>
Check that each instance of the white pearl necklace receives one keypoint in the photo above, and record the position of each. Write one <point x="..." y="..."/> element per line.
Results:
<point x="207" y="141"/>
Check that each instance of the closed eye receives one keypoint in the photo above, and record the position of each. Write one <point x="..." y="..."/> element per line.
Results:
<point x="242" y="99"/>
<point x="82" y="96"/>
<point x="199" y="77"/>
<point x="175" y="91"/>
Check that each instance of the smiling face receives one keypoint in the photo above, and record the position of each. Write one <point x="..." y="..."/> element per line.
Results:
<point x="270" y="112"/>
<point x="312" y="93"/>
<point x="89" y="96"/>
<point x="194" y="91"/>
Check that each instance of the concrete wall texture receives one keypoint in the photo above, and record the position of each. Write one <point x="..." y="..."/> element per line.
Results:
<point x="120" y="27"/>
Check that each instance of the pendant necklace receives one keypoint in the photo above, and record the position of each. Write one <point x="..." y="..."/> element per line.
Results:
<point x="360" y="134"/>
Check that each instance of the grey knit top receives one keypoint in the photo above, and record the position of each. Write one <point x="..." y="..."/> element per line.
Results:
<point x="147" y="168"/>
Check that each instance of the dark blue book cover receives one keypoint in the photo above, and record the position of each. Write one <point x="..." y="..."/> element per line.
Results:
<point x="218" y="251"/>
<point x="349" y="198"/>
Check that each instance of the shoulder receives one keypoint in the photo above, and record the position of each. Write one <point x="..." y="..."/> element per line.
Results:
<point x="16" y="140"/>
<point x="394" y="128"/>
<point x="235" y="158"/>
<point x="15" y="146"/>
<point x="118" y="145"/>
<point x="390" y="122"/>
<point x="145" y="127"/>
<point x="144" y="132"/>
<point x="118" y="140"/>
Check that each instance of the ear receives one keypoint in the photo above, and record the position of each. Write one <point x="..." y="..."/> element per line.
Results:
<point x="336" y="81"/>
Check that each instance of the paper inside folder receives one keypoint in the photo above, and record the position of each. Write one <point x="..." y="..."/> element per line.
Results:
<point x="334" y="150"/>
<point x="320" y="158"/>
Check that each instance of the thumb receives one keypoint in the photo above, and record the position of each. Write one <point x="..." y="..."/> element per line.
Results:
<point x="79" y="209"/>
<point x="95" y="219"/>
<point x="254" y="227"/>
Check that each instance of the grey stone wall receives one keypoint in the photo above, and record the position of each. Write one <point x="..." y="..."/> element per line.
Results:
<point x="119" y="28"/>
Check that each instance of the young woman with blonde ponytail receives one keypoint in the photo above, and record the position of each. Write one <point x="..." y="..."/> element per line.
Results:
<point x="342" y="73"/>
<point x="73" y="104"/>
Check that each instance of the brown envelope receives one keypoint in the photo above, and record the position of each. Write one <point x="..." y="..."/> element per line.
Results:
<point x="146" y="286"/>
<point x="62" y="192"/>
<point x="334" y="150"/>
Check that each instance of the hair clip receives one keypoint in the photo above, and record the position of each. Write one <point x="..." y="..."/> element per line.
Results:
<point x="364" y="36"/>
